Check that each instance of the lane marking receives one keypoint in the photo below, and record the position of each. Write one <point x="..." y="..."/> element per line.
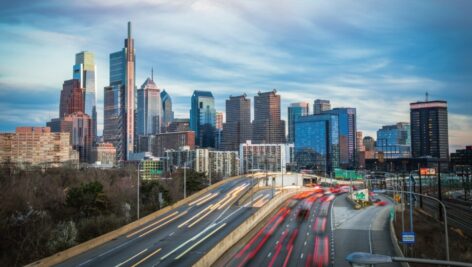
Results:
<point x="122" y="263"/>
<point x="194" y="216"/>
<point x="268" y="255"/>
<point x="152" y="224"/>
<point x="200" y="241"/>
<point x="370" y="238"/>
<point x="159" y="226"/>
<point x="147" y="257"/>
<point x="171" y="234"/>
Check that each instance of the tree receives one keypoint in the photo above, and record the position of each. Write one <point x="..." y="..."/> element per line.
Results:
<point x="88" y="199"/>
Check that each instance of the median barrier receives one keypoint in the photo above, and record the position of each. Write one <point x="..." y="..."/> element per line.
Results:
<point x="242" y="230"/>
<point x="354" y="204"/>
<point x="100" y="240"/>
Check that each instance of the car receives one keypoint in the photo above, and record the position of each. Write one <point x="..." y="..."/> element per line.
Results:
<point x="381" y="203"/>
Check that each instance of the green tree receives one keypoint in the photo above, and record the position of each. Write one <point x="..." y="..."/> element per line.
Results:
<point x="88" y="199"/>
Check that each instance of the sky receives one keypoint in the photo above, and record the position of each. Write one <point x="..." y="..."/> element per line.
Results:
<point x="376" y="56"/>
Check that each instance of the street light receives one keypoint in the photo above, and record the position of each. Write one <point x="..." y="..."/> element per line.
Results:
<point x="367" y="259"/>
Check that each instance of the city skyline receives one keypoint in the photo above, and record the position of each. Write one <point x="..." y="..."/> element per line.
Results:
<point x="353" y="64"/>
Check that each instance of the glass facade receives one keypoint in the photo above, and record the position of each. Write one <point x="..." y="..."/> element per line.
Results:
<point x="202" y="118"/>
<point x="85" y="70"/>
<point x="149" y="109"/>
<point x="167" y="113"/>
<point x="317" y="143"/>
<point x="394" y="140"/>
<point x="347" y="135"/>
<point x="295" y="110"/>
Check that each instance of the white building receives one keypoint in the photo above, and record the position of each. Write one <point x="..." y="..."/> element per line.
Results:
<point x="270" y="157"/>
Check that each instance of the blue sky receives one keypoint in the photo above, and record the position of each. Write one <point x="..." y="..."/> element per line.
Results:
<point x="377" y="56"/>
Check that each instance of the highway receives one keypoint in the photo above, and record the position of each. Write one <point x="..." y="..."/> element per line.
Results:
<point x="181" y="236"/>
<point x="298" y="234"/>
<point x="364" y="230"/>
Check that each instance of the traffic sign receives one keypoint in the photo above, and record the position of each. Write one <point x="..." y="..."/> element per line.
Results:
<point x="408" y="237"/>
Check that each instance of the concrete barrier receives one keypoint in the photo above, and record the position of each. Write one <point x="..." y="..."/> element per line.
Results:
<point x="242" y="230"/>
<point x="353" y="203"/>
<point x="100" y="240"/>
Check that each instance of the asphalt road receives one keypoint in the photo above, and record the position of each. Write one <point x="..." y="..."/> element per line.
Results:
<point x="179" y="237"/>
<point x="290" y="237"/>
<point x="364" y="230"/>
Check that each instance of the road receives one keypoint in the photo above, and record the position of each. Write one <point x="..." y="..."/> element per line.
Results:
<point x="364" y="230"/>
<point x="181" y="236"/>
<point x="298" y="234"/>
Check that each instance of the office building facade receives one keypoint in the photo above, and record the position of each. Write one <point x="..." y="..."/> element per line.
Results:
<point x="179" y="125"/>
<point x="265" y="157"/>
<point x="347" y="124"/>
<point x="167" y="113"/>
<point x="320" y="105"/>
<point x="72" y="99"/>
<point x="295" y="110"/>
<point x="104" y="154"/>
<point x="238" y="128"/>
<point x="393" y="141"/>
<point x="317" y="145"/>
<point x="202" y="118"/>
<point x="149" y="109"/>
<point x="429" y="130"/>
<point x="119" y="100"/>
<point x="166" y="141"/>
<point x="85" y="71"/>
<point x="268" y="128"/>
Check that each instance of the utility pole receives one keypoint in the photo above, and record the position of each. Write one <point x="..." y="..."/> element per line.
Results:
<point x="439" y="190"/>
<point x="421" y="186"/>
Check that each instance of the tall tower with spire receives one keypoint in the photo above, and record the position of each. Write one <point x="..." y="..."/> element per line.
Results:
<point x="119" y="100"/>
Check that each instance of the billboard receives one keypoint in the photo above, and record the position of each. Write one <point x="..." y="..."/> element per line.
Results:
<point x="427" y="171"/>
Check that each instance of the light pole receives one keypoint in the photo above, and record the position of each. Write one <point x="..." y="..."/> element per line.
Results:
<point x="368" y="259"/>
<point x="137" y="191"/>
<point x="446" y="234"/>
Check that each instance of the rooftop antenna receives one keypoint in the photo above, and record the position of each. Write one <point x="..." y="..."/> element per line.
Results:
<point x="152" y="74"/>
<point x="426" y="96"/>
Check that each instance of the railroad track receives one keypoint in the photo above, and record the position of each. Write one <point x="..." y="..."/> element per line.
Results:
<point x="458" y="216"/>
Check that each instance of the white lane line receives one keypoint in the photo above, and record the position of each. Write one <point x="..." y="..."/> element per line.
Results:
<point x="200" y="241"/>
<point x="142" y="251"/>
<point x="268" y="255"/>
<point x="152" y="224"/>
<point x="305" y="243"/>
<point x="171" y="234"/>
<point x="106" y="252"/>
<point x="301" y="256"/>
<point x="370" y="238"/>
<point x="161" y="225"/>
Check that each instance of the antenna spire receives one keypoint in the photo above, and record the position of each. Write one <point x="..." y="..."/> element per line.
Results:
<point x="426" y="96"/>
<point x="152" y="74"/>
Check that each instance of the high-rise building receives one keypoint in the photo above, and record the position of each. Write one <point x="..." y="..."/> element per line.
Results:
<point x="295" y="110"/>
<point x="37" y="146"/>
<point x="72" y="99"/>
<point x="321" y="105"/>
<point x="265" y="157"/>
<point x="85" y="71"/>
<point x="79" y="125"/>
<point x="317" y="143"/>
<point x="179" y="125"/>
<point x="219" y="120"/>
<point x="202" y="118"/>
<point x="267" y="126"/>
<point x="237" y="129"/>
<point x="429" y="129"/>
<point x="462" y="159"/>
<point x="394" y="141"/>
<point x="167" y="113"/>
<point x="149" y="109"/>
<point x="359" y="141"/>
<point x="347" y="135"/>
<point x="119" y="100"/>
<point x="369" y="143"/>
<point x="104" y="154"/>
<point x="165" y="141"/>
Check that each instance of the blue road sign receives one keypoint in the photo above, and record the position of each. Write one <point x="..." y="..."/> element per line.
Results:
<point x="408" y="237"/>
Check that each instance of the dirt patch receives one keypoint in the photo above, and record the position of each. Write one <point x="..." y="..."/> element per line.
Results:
<point x="430" y="240"/>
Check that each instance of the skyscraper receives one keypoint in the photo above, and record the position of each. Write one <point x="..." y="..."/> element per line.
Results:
<point x="219" y="120"/>
<point x="202" y="118"/>
<point x="267" y="126"/>
<point x="119" y="100"/>
<point x="394" y="140"/>
<point x="317" y="142"/>
<point x="149" y="109"/>
<point x="167" y="113"/>
<point x="295" y="110"/>
<point x="321" y="105"/>
<point x="72" y="99"/>
<point x="429" y="129"/>
<point x="237" y="129"/>
<point x="85" y="71"/>
<point x="347" y="135"/>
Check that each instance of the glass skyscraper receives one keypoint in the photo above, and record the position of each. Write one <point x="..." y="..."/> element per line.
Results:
<point x="347" y="135"/>
<point x="149" y="109"/>
<point x="119" y="100"/>
<point x="267" y="127"/>
<point x="202" y="118"/>
<point x="394" y="140"/>
<point x="317" y="142"/>
<point x="295" y="110"/>
<point x="167" y="113"/>
<point x="85" y="72"/>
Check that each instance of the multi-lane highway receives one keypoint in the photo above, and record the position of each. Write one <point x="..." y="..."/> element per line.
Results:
<point x="181" y="236"/>
<point x="298" y="234"/>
